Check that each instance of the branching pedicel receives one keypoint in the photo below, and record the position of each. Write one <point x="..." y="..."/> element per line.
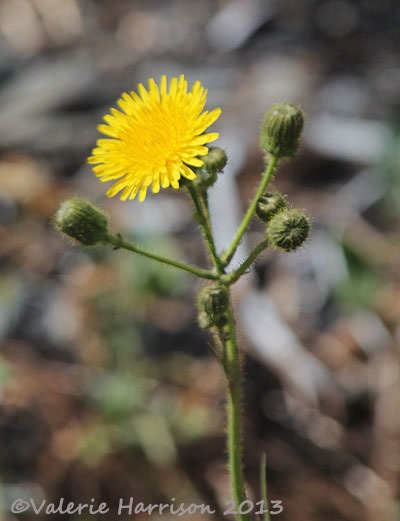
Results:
<point x="159" y="140"/>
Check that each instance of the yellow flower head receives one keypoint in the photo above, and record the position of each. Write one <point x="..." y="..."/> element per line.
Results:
<point x="154" y="139"/>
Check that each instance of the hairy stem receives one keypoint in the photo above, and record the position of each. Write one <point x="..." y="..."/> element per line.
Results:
<point x="227" y="334"/>
<point x="230" y="252"/>
<point x="200" y="202"/>
<point x="235" y="275"/>
<point x="118" y="242"/>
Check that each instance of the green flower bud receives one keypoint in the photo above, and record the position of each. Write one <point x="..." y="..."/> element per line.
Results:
<point x="213" y="301"/>
<point x="214" y="162"/>
<point x="269" y="205"/>
<point x="81" y="221"/>
<point x="288" y="229"/>
<point x="282" y="126"/>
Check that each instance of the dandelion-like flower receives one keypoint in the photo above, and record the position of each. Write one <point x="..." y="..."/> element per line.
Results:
<point x="155" y="139"/>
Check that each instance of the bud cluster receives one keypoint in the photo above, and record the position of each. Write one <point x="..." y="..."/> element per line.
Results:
<point x="287" y="228"/>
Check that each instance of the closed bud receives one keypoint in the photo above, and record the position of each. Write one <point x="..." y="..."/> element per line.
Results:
<point x="288" y="229"/>
<point x="269" y="205"/>
<point x="282" y="128"/>
<point x="214" y="162"/>
<point x="213" y="301"/>
<point x="81" y="221"/>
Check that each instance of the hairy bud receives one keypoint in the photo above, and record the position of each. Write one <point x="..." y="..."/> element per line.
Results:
<point x="269" y="205"/>
<point x="214" y="162"/>
<point x="212" y="303"/>
<point x="288" y="229"/>
<point x="216" y="159"/>
<point x="282" y="127"/>
<point x="81" y="221"/>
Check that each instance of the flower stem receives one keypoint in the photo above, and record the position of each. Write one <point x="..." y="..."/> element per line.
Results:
<point x="200" y="202"/>
<point x="118" y="242"/>
<point x="235" y="275"/>
<point x="230" y="252"/>
<point x="234" y="409"/>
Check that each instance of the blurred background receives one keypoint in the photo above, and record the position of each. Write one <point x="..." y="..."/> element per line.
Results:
<point x="108" y="388"/>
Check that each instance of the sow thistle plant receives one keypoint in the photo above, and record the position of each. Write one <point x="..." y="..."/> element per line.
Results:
<point x="158" y="139"/>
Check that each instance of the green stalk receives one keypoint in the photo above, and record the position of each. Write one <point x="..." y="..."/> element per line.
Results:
<point x="200" y="202"/>
<point x="118" y="242"/>
<point x="234" y="410"/>
<point x="235" y="275"/>
<point x="226" y="337"/>
<point x="230" y="252"/>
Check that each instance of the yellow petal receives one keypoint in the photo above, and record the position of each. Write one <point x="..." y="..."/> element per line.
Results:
<point x="156" y="136"/>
